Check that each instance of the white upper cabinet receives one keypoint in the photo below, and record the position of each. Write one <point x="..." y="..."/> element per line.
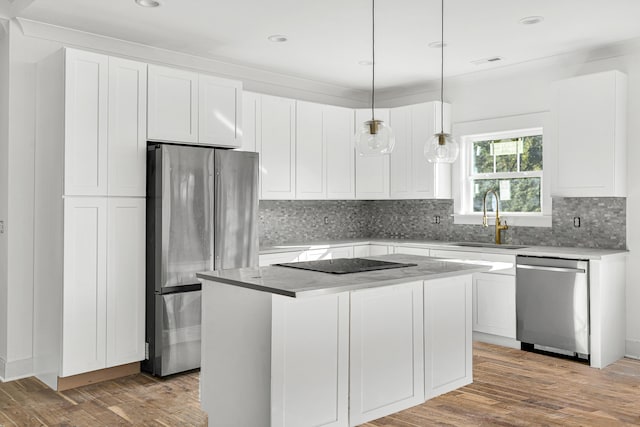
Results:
<point x="310" y="152"/>
<point x="250" y="119"/>
<point x="105" y="125"/>
<point x="195" y="108"/>
<point x="127" y="136"/>
<point x="372" y="173"/>
<point x="86" y="101"/>
<point x="276" y="145"/>
<point x="220" y="111"/>
<point x="324" y="152"/>
<point x="173" y="105"/>
<point x="411" y="175"/>
<point x="338" y="135"/>
<point x="590" y="136"/>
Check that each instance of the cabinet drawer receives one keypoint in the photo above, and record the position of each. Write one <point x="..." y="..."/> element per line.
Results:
<point x="410" y="250"/>
<point x="276" y="258"/>
<point x="503" y="264"/>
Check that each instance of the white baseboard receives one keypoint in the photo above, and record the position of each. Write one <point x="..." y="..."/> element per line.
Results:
<point x="632" y="349"/>
<point x="15" y="369"/>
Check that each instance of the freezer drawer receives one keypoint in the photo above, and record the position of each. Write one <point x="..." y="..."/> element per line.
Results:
<point x="552" y="303"/>
<point x="179" y="344"/>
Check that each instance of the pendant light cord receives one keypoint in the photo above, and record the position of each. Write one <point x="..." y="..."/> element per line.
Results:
<point x="373" y="56"/>
<point x="442" y="67"/>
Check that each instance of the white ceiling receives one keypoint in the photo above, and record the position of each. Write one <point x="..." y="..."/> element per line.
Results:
<point x="327" y="38"/>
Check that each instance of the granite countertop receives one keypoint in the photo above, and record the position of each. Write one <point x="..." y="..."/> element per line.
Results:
<point x="303" y="283"/>
<point x="552" y="251"/>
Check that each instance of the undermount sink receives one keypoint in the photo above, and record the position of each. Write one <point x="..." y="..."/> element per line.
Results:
<point x="487" y="245"/>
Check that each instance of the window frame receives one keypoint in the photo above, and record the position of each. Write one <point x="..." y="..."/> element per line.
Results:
<point x="494" y="129"/>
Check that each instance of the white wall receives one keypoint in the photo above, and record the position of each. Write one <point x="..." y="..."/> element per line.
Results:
<point x="526" y="88"/>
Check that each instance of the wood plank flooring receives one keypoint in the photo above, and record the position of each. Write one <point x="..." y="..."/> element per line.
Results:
<point x="511" y="388"/>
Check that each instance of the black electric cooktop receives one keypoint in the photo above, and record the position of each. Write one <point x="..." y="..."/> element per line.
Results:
<point x="344" y="265"/>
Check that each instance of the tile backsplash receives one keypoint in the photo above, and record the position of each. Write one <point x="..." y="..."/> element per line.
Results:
<point x="602" y="222"/>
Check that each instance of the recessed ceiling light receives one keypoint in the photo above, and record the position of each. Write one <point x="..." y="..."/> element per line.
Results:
<point x="148" y="3"/>
<point x="437" y="45"/>
<point x="278" y="38"/>
<point x="531" y="20"/>
<point x="365" y="63"/>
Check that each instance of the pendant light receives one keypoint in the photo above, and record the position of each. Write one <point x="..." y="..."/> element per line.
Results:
<point x="441" y="148"/>
<point x="375" y="137"/>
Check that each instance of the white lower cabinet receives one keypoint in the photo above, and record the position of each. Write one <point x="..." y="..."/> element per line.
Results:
<point x="102" y="313"/>
<point x="494" y="296"/>
<point x="447" y="335"/>
<point x="386" y="355"/>
<point x="494" y="304"/>
<point x="310" y="361"/>
<point x="84" y="285"/>
<point x="126" y="262"/>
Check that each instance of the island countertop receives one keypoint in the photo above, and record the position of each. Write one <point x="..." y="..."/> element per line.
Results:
<point x="304" y="283"/>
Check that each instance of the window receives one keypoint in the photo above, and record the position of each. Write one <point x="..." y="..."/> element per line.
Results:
<point x="510" y="164"/>
<point x="507" y="155"/>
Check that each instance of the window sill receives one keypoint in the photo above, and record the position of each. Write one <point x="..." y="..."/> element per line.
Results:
<point x="512" y="219"/>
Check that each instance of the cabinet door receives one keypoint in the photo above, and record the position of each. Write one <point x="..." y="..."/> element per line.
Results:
<point x="310" y="361"/>
<point x="84" y="285"/>
<point x="250" y="120"/>
<point x="422" y="173"/>
<point x="127" y="148"/>
<point x="338" y="135"/>
<point x="125" y="280"/>
<point x="590" y="115"/>
<point x="219" y="110"/>
<point x="379" y="249"/>
<point x="85" y="151"/>
<point x="494" y="304"/>
<point x="372" y="173"/>
<point x="173" y="105"/>
<point x="360" y="251"/>
<point x="399" y="159"/>
<point x="277" y="148"/>
<point x="448" y="336"/>
<point x="310" y="152"/>
<point x="412" y="176"/>
<point x="386" y="363"/>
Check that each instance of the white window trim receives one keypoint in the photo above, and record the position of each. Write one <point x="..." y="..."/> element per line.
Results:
<point x="465" y="132"/>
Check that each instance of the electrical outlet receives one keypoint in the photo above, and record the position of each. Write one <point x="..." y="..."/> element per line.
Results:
<point x="1" y="227"/>
<point x="576" y="221"/>
<point x="436" y="219"/>
<point x="326" y="220"/>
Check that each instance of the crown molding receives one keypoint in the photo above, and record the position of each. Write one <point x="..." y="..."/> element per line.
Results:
<point x="254" y="79"/>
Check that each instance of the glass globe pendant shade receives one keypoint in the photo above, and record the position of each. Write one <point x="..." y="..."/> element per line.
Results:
<point x="441" y="148"/>
<point x="374" y="138"/>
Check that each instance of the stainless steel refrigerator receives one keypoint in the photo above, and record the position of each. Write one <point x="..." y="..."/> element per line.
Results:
<point x="202" y="208"/>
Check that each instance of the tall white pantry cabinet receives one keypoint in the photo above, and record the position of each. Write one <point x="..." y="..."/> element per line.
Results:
<point x="89" y="214"/>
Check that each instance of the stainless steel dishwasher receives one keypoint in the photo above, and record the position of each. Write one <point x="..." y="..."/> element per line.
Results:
<point x="552" y="304"/>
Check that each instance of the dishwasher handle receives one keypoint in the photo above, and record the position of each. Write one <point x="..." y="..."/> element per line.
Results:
<point x="554" y="269"/>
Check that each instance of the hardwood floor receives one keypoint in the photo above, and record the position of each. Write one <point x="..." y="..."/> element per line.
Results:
<point x="511" y="388"/>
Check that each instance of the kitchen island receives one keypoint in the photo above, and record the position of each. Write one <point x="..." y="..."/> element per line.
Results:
<point x="289" y="347"/>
